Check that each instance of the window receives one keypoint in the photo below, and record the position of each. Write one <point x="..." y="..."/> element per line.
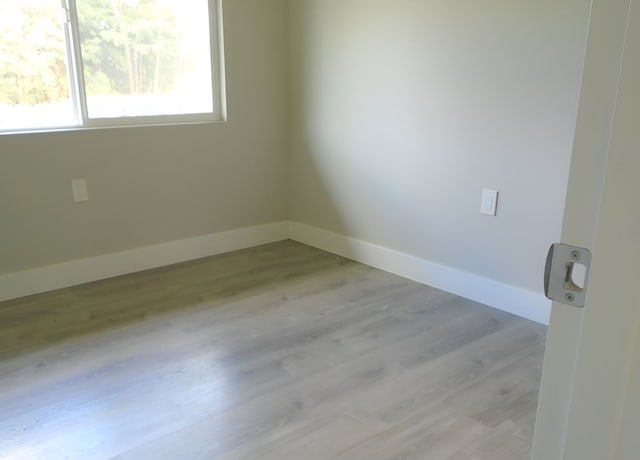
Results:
<point x="87" y="63"/>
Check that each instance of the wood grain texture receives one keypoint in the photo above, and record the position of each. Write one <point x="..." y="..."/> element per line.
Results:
<point x="276" y="352"/>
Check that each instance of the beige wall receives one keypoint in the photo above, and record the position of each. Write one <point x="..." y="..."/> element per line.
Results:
<point x="404" y="110"/>
<point x="157" y="184"/>
<point x="401" y="112"/>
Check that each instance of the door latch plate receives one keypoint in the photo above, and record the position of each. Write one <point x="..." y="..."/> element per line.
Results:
<point x="566" y="274"/>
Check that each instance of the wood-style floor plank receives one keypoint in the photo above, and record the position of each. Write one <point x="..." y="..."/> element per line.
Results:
<point x="276" y="352"/>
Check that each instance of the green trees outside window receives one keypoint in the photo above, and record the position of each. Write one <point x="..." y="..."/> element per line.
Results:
<point x="134" y="58"/>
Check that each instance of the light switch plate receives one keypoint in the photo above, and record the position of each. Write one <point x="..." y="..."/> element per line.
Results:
<point x="489" y="205"/>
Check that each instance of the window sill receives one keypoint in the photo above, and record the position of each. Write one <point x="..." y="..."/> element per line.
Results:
<point x="120" y="123"/>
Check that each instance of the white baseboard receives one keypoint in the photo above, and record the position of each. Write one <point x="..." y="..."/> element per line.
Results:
<point x="518" y="301"/>
<point x="502" y="296"/>
<point x="81" y="271"/>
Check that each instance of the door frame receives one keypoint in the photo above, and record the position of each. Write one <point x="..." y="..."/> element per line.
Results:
<point x="587" y="366"/>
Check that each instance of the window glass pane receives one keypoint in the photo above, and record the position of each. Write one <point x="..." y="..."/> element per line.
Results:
<point x="34" y="83"/>
<point x="145" y="57"/>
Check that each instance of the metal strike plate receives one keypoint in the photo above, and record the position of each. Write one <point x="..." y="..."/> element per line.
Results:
<point x="566" y="274"/>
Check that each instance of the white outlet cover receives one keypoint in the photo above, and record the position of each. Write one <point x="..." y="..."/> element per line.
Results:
<point x="80" y="191"/>
<point x="489" y="205"/>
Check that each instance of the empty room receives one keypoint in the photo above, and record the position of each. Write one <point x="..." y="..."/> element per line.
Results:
<point x="319" y="229"/>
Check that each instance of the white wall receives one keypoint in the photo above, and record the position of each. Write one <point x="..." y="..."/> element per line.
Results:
<point x="402" y="111"/>
<point x="157" y="184"/>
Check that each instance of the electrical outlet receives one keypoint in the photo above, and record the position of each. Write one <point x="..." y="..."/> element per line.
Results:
<point x="80" y="191"/>
<point x="489" y="205"/>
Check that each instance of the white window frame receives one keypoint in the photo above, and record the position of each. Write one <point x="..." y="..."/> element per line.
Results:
<point x="77" y="90"/>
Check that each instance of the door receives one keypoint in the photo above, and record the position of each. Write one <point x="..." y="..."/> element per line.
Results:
<point x="590" y="395"/>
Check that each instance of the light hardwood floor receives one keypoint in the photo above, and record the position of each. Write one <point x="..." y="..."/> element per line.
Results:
<point x="276" y="352"/>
